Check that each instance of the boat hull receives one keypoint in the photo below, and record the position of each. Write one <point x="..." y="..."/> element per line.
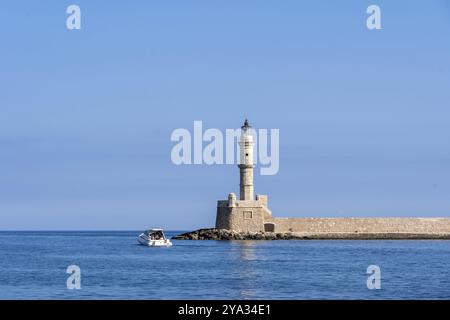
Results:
<point x="143" y="240"/>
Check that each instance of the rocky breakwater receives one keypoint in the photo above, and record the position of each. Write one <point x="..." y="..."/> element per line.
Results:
<point x="223" y="234"/>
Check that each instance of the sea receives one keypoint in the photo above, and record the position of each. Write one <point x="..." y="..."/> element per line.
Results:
<point x="112" y="265"/>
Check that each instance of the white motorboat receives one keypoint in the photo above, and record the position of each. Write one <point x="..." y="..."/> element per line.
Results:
<point x="154" y="238"/>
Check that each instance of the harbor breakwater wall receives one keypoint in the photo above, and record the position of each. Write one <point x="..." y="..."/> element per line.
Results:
<point x="362" y="225"/>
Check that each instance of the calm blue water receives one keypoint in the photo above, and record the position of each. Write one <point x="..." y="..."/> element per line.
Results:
<point x="113" y="266"/>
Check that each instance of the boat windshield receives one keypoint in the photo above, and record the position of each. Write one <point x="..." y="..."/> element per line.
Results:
<point x="155" y="235"/>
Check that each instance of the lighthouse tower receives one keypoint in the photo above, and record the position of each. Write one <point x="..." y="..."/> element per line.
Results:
<point x="249" y="213"/>
<point x="246" y="163"/>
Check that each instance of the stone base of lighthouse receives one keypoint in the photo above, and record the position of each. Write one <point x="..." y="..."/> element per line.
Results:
<point x="244" y="215"/>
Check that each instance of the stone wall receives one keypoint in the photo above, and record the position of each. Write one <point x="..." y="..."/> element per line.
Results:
<point x="262" y="199"/>
<point x="362" y="225"/>
<point x="244" y="215"/>
<point x="240" y="218"/>
<point x="223" y="216"/>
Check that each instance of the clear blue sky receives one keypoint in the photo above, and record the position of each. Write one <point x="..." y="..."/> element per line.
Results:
<point x="86" y="116"/>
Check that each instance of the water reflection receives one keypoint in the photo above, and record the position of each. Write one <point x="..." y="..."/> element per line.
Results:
<point x="247" y="250"/>
<point x="246" y="271"/>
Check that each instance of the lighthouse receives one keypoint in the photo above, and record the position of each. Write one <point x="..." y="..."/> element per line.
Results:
<point x="249" y="213"/>
<point x="246" y="163"/>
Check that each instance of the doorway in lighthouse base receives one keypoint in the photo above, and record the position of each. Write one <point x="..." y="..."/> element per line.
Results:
<point x="269" y="227"/>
